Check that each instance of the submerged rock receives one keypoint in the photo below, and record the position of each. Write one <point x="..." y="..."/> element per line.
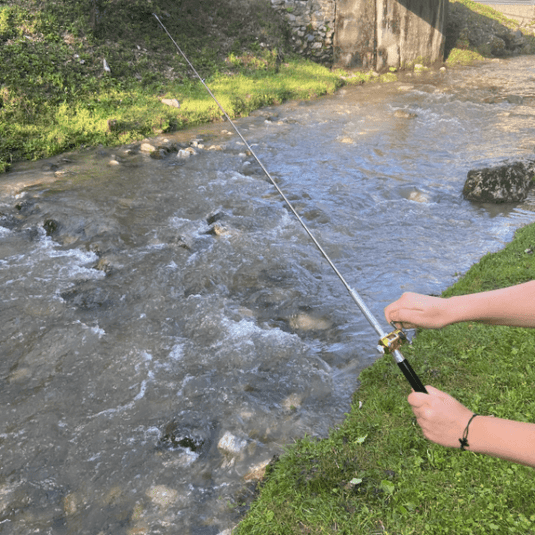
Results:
<point x="87" y="297"/>
<point x="404" y="114"/>
<point x="305" y="322"/>
<point x="162" y="496"/>
<point x="418" y="196"/>
<point x="186" y="153"/>
<point x="178" y="435"/>
<point x="158" y="154"/>
<point x="257" y="472"/>
<point x="231" y="445"/>
<point x="51" y="226"/>
<point x="504" y="183"/>
<point x="217" y="230"/>
<point x="215" y="216"/>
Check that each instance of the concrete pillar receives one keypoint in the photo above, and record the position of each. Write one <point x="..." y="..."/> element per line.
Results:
<point x="354" y="34"/>
<point x="380" y="34"/>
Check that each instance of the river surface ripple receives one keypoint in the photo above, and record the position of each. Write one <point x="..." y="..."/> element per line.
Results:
<point x="166" y="325"/>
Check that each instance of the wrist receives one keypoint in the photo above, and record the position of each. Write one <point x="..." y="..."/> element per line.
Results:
<point x="455" y="310"/>
<point x="478" y="435"/>
<point x="464" y="444"/>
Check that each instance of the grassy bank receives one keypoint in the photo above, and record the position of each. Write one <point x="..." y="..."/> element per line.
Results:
<point x="55" y="94"/>
<point x="377" y="474"/>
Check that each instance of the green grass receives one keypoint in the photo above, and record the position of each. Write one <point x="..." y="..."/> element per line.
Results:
<point x="487" y="11"/>
<point x="376" y="473"/>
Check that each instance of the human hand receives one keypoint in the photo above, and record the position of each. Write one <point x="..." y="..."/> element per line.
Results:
<point x="442" y="418"/>
<point x="413" y="310"/>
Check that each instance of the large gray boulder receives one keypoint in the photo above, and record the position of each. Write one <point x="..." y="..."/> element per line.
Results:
<point x="504" y="183"/>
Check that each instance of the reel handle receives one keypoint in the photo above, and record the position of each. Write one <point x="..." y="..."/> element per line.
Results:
<point x="411" y="376"/>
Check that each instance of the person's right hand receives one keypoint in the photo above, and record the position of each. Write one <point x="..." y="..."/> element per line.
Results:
<point x="413" y="310"/>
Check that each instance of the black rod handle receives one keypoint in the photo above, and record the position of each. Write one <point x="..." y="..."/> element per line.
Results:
<point x="411" y="376"/>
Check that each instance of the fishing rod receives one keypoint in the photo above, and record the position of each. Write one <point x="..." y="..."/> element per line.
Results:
<point x="388" y="343"/>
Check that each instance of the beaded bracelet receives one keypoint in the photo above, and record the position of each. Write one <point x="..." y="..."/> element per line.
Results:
<point x="464" y="440"/>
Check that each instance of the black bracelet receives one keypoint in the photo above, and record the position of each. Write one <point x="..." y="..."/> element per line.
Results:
<point x="464" y="440"/>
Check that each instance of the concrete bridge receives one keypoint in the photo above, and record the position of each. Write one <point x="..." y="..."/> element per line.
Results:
<point x="367" y="34"/>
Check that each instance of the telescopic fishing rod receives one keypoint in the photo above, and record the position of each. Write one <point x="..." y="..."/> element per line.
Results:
<point x="388" y="343"/>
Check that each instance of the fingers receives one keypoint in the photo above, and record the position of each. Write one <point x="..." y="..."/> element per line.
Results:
<point x="420" y="400"/>
<point x="401" y="311"/>
<point x="416" y="310"/>
<point x="441" y="417"/>
<point x="403" y="325"/>
<point x="417" y="400"/>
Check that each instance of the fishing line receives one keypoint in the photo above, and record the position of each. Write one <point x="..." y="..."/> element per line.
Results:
<point x="388" y="343"/>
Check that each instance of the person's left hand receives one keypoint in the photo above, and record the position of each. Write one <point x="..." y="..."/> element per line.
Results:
<point x="442" y="418"/>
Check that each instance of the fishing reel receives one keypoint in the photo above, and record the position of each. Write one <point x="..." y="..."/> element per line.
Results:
<point x="392" y="341"/>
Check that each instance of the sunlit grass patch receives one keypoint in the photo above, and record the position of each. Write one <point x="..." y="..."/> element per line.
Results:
<point x="459" y="56"/>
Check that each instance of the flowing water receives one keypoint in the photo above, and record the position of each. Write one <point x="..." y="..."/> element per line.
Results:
<point x="167" y="326"/>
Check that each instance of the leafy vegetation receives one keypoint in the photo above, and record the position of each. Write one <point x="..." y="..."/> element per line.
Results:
<point x="377" y="474"/>
<point x="56" y="95"/>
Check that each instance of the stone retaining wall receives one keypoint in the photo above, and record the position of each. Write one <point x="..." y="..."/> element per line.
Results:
<point x="312" y="24"/>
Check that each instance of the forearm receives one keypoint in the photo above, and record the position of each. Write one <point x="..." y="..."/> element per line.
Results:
<point x="506" y="439"/>
<point x="514" y="306"/>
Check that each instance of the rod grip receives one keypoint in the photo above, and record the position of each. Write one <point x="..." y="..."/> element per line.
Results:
<point x="411" y="376"/>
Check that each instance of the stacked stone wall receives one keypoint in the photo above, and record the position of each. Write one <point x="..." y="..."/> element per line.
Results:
<point x="312" y="24"/>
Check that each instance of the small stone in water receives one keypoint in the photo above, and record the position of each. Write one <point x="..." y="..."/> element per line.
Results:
<point x="404" y="114"/>
<point x="292" y="402"/>
<point x="216" y="216"/>
<point x="231" y="444"/>
<point x="147" y="147"/>
<point x="257" y="472"/>
<point x="305" y="322"/>
<point x="186" y="153"/>
<point x="70" y="504"/>
<point x="50" y="225"/>
<point x="162" y="496"/>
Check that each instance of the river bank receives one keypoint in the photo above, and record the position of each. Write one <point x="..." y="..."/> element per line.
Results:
<point x="73" y="79"/>
<point x="376" y="473"/>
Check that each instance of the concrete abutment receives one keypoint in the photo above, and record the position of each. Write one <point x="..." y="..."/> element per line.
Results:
<point x="367" y="34"/>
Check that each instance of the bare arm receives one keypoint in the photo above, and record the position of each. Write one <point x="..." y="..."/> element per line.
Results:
<point x="443" y="420"/>
<point x="513" y="306"/>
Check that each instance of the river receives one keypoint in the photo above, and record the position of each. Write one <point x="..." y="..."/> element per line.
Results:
<point x="167" y="326"/>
